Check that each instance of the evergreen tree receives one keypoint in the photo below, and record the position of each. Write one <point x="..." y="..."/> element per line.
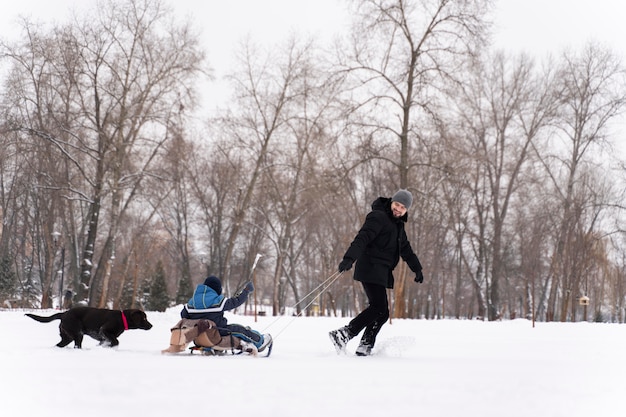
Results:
<point x="126" y="301"/>
<point x="30" y="293"/>
<point x="184" y="289"/>
<point x="158" y="299"/>
<point x="8" y="279"/>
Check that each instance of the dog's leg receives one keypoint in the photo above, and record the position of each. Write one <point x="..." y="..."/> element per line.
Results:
<point x="109" y="336"/>
<point x="103" y="336"/>
<point x="78" y="341"/>
<point x="66" y="338"/>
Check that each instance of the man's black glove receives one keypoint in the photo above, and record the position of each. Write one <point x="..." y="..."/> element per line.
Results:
<point x="419" y="277"/>
<point x="345" y="264"/>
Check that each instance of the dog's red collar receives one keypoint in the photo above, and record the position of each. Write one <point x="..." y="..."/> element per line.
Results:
<point x="124" y="320"/>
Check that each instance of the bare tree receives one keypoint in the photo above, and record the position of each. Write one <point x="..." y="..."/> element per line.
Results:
<point x="264" y="94"/>
<point x="294" y="175"/>
<point x="593" y="93"/>
<point x="124" y="72"/>
<point x="30" y="97"/>
<point x="505" y="107"/>
<point x="411" y="48"/>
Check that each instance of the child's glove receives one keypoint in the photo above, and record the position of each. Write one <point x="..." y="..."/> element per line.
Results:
<point x="249" y="287"/>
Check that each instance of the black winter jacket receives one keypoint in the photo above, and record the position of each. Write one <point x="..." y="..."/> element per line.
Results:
<point x="379" y="244"/>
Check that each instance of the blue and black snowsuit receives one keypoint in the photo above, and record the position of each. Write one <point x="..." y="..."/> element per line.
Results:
<point x="208" y="303"/>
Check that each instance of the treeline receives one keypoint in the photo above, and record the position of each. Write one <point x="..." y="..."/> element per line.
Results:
<point x="112" y="190"/>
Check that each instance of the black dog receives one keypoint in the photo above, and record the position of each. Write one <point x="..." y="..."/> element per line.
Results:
<point x="103" y="325"/>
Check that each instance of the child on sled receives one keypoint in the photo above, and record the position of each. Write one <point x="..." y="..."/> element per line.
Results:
<point x="208" y="303"/>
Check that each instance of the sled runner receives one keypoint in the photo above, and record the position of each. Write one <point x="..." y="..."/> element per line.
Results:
<point x="207" y="340"/>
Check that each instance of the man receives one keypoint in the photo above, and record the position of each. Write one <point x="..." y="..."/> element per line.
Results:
<point x="377" y="249"/>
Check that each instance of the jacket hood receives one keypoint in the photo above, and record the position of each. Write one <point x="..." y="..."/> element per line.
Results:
<point x="204" y="297"/>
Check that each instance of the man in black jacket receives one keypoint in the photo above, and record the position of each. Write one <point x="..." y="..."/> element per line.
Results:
<point x="377" y="248"/>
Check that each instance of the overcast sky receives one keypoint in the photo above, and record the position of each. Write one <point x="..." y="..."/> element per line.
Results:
<point x="541" y="26"/>
<point x="538" y="27"/>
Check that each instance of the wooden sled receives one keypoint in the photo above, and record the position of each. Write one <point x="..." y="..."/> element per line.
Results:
<point x="206" y="339"/>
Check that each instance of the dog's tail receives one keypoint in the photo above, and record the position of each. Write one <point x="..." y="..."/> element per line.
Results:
<point x="42" y="319"/>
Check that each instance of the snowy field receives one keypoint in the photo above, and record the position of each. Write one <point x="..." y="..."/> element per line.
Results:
<point x="419" y="368"/>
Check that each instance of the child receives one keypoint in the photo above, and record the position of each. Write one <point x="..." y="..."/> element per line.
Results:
<point x="208" y="303"/>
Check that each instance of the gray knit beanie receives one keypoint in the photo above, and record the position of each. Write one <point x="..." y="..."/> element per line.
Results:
<point x="403" y="197"/>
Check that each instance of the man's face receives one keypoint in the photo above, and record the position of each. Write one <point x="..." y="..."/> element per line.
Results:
<point x="398" y="209"/>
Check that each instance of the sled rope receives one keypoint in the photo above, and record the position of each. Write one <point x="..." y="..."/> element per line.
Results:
<point x="324" y="285"/>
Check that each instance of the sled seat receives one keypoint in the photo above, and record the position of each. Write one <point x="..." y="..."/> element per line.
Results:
<point x="205" y="336"/>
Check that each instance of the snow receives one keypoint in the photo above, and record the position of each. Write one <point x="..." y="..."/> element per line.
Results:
<point x="419" y="368"/>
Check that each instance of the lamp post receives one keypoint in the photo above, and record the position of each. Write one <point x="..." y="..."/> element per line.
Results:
<point x="61" y="295"/>
<point x="203" y="262"/>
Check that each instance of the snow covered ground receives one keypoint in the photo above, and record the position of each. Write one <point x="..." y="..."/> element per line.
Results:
<point x="419" y="368"/>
